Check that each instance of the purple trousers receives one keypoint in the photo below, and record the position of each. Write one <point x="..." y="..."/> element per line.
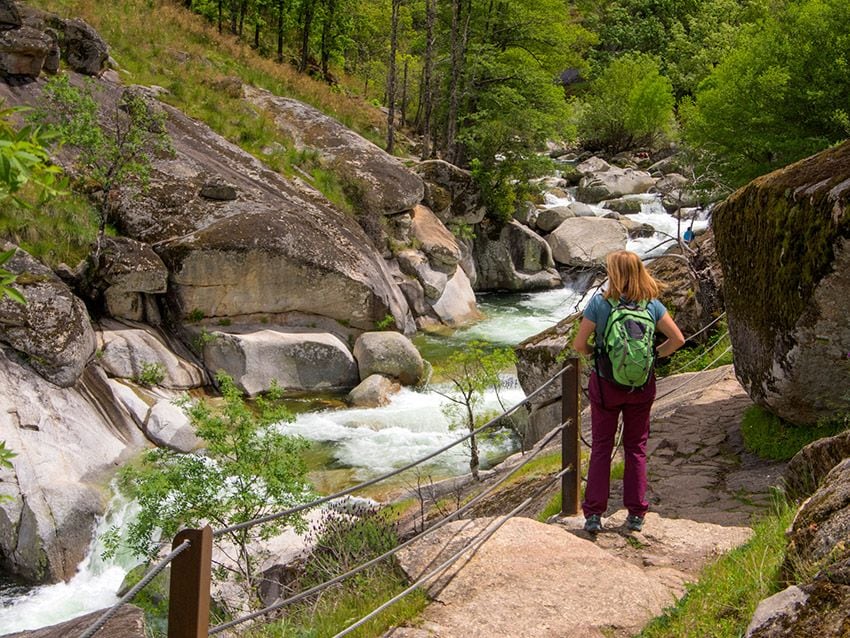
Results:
<point x="607" y="401"/>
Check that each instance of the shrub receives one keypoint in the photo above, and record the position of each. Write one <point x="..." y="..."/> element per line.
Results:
<point x="630" y="104"/>
<point x="152" y="374"/>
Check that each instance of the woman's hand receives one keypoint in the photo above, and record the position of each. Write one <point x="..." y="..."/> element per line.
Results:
<point x="580" y="343"/>
<point x="669" y="329"/>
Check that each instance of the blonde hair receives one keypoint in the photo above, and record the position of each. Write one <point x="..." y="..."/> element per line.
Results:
<point x="627" y="278"/>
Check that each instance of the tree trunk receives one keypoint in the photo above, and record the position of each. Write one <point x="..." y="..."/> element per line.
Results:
<point x="431" y="13"/>
<point x="243" y="9"/>
<point x="309" y="6"/>
<point x="280" y="10"/>
<point x="257" y="32"/>
<point x="219" y="16"/>
<point x="403" y="119"/>
<point x="454" y="81"/>
<point x="473" y="443"/>
<point x="391" y="77"/>
<point x="327" y="36"/>
<point x="234" y="17"/>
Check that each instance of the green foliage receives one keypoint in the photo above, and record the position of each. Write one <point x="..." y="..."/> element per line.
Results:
<point x="701" y="356"/>
<point x="7" y="279"/>
<point x="6" y="456"/>
<point x="630" y="104"/>
<point x="781" y="93"/>
<point x="195" y="315"/>
<point x="387" y="323"/>
<point x="112" y="147"/>
<point x="249" y="469"/>
<point x="722" y="602"/>
<point x="770" y="437"/>
<point x="152" y="374"/>
<point x="470" y="372"/>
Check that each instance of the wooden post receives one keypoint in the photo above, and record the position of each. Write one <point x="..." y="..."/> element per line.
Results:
<point x="189" y="594"/>
<point x="570" y="449"/>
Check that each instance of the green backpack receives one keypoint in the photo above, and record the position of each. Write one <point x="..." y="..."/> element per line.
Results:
<point x="629" y="343"/>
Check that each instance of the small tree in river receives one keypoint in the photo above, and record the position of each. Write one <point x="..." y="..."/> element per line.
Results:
<point x="112" y="147"/>
<point x="470" y="372"/>
<point x="249" y="470"/>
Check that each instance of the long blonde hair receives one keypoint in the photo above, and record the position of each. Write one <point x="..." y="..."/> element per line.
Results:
<point x="627" y="278"/>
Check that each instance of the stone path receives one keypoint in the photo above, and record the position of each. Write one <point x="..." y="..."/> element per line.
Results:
<point x="533" y="579"/>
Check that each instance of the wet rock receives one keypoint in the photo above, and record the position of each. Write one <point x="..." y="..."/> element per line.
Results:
<point x="390" y="354"/>
<point x="373" y="392"/>
<point x="586" y="241"/>
<point x="128" y="622"/>
<point x="457" y="306"/>
<point x="623" y="205"/>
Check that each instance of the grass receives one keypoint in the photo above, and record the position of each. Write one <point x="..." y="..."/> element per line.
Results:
<point x="770" y="437"/>
<point x="157" y="42"/>
<point x="701" y="356"/>
<point x="722" y="603"/>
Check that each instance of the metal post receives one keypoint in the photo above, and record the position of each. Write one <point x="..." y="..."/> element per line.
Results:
<point x="189" y="594"/>
<point x="570" y="449"/>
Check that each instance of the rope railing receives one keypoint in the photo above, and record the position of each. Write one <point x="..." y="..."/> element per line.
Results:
<point x="356" y="570"/>
<point x="695" y="376"/>
<point x="477" y="541"/>
<point x="708" y="349"/>
<point x="383" y="477"/>
<point x="130" y="595"/>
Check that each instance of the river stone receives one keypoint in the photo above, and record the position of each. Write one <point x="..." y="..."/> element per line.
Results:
<point x="66" y="450"/>
<point x="613" y="183"/>
<point x="23" y="51"/>
<point x="581" y="209"/>
<point x="390" y="354"/>
<point x="373" y="392"/>
<point x="527" y="214"/>
<point x="436" y="241"/>
<point x="516" y="258"/>
<point x="550" y="218"/>
<point x="457" y="305"/>
<point x="806" y="470"/>
<point x="279" y="248"/>
<point x="128" y="622"/>
<point x="636" y="229"/>
<point x="125" y="352"/>
<point x="623" y="205"/>
<point x="52" y="329"/>
<point x="384" y="185"/>
<point x="298" y="360"/>
<point x="586" y="241"/>
<point x="451" y="192"/>
<point x="592" y="165"/>
<point x="169" y="426"/>
<point x="784" y="239"/>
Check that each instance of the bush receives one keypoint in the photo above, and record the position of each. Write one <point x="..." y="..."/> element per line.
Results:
<point x="630" y="104"/>
<point x="152" y="374"/>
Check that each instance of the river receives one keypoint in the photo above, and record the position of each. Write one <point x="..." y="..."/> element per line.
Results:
<point x="355" y="444"/>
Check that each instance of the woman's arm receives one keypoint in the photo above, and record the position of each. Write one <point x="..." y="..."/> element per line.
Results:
<point x="675" y="340"/>
<point x="585" y="329"/>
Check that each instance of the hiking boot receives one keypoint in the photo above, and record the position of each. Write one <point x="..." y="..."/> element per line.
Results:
<point x="593" y="524"/>
<point x="634" y="522"/>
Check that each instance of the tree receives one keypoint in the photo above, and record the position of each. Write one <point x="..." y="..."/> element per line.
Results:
<point x="470" y="372"/>
<point x="112" y="148"/>
<point x="630" y="104"/>
<point x="391" y="76"/>
<point x="780" y="94"/>
<point x="248" y="470"/>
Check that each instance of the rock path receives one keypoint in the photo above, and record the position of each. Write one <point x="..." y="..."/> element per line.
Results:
<point x="532" y="579"/>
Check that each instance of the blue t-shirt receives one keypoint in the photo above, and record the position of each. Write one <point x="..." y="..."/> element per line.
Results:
<point x="599" y="309"/>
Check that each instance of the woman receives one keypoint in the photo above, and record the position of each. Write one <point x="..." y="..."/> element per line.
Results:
<point x="628" y="281"/>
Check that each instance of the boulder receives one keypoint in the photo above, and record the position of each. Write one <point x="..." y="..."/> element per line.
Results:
<point x="23" y="51"/>
<point x="612" y="183"/>
<point x="373" y="392"/>
<point x="218" y="190"/>
<point x="811" y="464"/>
<point x="169" y="426"/>
<point x="67" y="446"/>
<point x="128" y="622"/>
<point x="784" y="239"/>
<point x="10" y="17"/>
<point x="457" y="306"/>
<point x="527" y="214"/>
<point x="127" y="271"/>
<point x="415" y="264"/>
<point x="380" y="183"/>
<point x="297" y="360"/>
<point x="580" y="209"/>
<point x="636" y="229"/>
<point x="773" y="614"/>
<point x="586" y="241"/>
<point x="550" y="218"/>
<point x="592" y="165"/>
<point x="52" y="330"/>
<point x="451" y="192"/>
<point x="436" y="241"/>
<point x="127" y="352"/>
<point x="515" y="258"/>
<point x="390" y="354"/>
<point x="623" y="205"/>
<point x="82" y="47"/>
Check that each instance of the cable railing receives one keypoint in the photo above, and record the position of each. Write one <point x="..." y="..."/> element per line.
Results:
<point x="191" y="558"/>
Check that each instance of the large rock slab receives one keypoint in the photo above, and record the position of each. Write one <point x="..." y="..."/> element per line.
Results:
<point x="811" y="464"/>
<point x="126" y="352"/>
<point x="586" y="241"/>
<point x="457" y="306"/>
<point x="52" y="329"/>
<point x="451" y="192"/>
<point x="443" y="250"/>
<point x="784" y="239"/>
<point x="298" y="361"/>
<point x="571" y="588"/>
<point x="128" y="622"/>
<point x="279" y="248"/>
<point x="382" y="183"/>
<point x="127" y="270"/>
<point x="514" y="258"/>
<point x="23" y="51"/>
<point x="66" y="450"/>
<point x="602" y="181"/>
